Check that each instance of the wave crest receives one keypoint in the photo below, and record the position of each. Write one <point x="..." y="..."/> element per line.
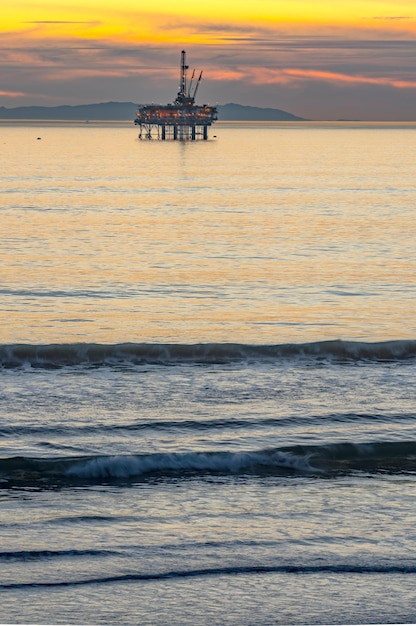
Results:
<point x="321" y="460"/>
<point x="101" y="355"/>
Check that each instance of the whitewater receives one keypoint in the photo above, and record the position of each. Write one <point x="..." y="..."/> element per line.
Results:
<point x="207" y="367"/>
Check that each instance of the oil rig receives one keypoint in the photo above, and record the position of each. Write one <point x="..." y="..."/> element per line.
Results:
<point x="181" y="121"/>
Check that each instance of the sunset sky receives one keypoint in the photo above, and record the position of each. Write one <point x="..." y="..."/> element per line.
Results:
<point x="319" y="59"/>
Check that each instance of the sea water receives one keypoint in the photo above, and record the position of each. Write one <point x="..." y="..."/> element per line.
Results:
<point x="208" y="358"/>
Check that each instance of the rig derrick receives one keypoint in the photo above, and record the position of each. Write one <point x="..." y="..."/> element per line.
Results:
<point x="183" y="120"/>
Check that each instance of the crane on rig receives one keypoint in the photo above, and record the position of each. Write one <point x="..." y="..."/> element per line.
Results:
<point x="185" y="96"/>
<point x="183" y="120"/>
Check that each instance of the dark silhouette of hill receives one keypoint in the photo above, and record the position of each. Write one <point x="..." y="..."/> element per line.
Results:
<point x="236" y="112"/>
<point x="124" y="111"/>
<point x="101" y="111"/>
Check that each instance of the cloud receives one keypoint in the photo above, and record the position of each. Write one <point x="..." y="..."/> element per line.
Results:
<point x="285" y="76"/>
<point x="12" y="94"/>
<point x="393" y="17"/>
<point x="345" y="78"/>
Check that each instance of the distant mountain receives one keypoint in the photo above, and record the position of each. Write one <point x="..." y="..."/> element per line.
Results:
<point x="239" y="112"/>
<point x="102" y="111"/>
<point x="124" y="111"/>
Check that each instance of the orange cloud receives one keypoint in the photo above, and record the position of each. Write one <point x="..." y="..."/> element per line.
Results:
<point x="224" y="75"/>
<point x="346" y="78"/>
<point x="265" y="76"/>
<point x="12" y="94"/>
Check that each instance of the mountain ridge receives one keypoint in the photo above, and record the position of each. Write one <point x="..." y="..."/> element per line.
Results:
<point x="124" y="111"/>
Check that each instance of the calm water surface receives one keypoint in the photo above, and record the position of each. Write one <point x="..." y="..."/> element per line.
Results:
<point x="265" y="234"/>
<point x="207" y="375"/>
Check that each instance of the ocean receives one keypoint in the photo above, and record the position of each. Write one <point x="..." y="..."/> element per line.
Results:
<point x="207" y="375"/>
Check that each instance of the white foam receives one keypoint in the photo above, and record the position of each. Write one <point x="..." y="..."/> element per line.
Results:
<point x="228" y="462"/>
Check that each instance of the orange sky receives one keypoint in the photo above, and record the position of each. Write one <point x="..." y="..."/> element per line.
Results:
<point x="318" y="59"/>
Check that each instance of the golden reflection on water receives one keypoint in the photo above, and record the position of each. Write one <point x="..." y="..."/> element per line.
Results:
<point x="266" y="235"/>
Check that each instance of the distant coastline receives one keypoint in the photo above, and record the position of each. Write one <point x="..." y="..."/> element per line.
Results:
<point x="125" y="111"/>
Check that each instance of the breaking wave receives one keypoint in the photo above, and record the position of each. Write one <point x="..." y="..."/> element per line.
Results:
<point x="321" y="460"/>
<point x="100" y="355"/>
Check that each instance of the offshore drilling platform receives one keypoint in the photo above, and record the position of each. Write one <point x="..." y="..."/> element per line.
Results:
<point x="181" y="121"/>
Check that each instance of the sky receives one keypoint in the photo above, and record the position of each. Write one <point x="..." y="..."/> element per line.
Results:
<point x="319" y="59"/>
